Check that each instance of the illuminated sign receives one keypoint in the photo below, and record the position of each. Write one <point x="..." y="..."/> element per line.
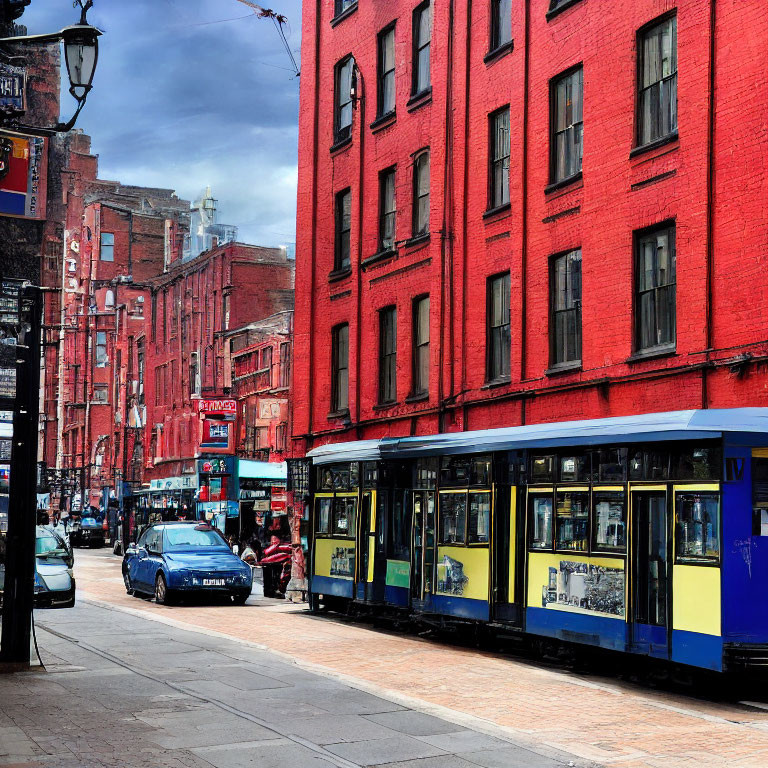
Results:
<point x="12" y="80"/>
<point x="217" y="406"/>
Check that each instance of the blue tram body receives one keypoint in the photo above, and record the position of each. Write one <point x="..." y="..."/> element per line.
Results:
<point x="645" y="534"/>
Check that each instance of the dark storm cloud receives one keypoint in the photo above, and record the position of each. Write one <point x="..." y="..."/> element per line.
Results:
<point x="181" y="102"/>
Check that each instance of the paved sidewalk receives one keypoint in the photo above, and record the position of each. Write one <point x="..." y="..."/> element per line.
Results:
<point x="124" y="690"/>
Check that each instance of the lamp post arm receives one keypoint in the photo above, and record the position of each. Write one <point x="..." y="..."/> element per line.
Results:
<point x="84" y="9"/>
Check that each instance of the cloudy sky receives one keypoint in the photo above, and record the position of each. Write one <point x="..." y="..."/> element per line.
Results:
<point x="194" y="92"/>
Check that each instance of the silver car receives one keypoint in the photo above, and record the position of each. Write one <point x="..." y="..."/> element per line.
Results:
<point x="54" y="580"/>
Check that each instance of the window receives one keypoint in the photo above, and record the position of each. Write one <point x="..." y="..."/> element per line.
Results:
<point x="479" y="518"/>
<point x="399" y="533"/>
<point x="343" y="228"/>
<point x="343" y="113"/>
<point x="422" y="36"/>
<point x="565" y="308"/>
<point x="498" y="336"/>
<point x="542" y="469"/>
<point x="100" y="393"/>
<point x="657" y="81"/>
<point x="573" y="521"/>
<point x="323" y="514"/>
<point x="566" y="137"/>
<point x="759" y="496"/>
<point x="281" y="437"/>
<point x="285" y="364"/>
<point x="421" y="346"/>
<point x="101" y="349"/>
<point x="501" y="23"/>
<point x="453" y="518"/>
<point x="344" y="509"/>
<point x="610" y="521"/>
<point x="697" y="526"/>
<point x="341" y="5"/>
<point x="499" y="158"/>
<point x="540" y="506"/>
<point x="107" y="249"/>
<point x="388" y="355"/>
<point x="386" y="83"/>
<point x="340" y="368"/>
<point x="387" y="210"/>
<point x="655" y="297"/>
<point x="421" y="194"/>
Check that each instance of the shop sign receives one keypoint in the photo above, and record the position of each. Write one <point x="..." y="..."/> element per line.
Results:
<point x="214" y="467"/>
<point x="217" y="406"/>
<point x="279" y="507"/>
<point x="23" y="168"/>
<point x="12" y="87"/>
<point x="173" y="483"/>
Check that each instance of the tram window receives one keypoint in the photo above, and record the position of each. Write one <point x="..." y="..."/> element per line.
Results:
<point x="574" y="468"/>
<point x="354" y="475"/>
<point x="697" y="529"/>
<point x="479" y="517"/>
<point x="453" y="518"/>
<point x="610" y="521"/>
<point x="344" y="509"/>
<point x="648" y="465"/>
<point x="611" y="464"/>
<point x="541" y="521"/>
<point x="399" y="542"/>
<point x="697" y="463"/>
<point x="323" y="509"/>
<point x="760" y="496"/>
<point x="382" y="499"/>
<point x="543" y="469"/>
<point x="426" y="473"/>
<point x="572" y="521"/>
<point x="370" y="474"/>
<point x="465" y="470"/>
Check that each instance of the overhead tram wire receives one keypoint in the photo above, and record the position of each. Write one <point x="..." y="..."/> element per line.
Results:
<point x="279" y="21"/>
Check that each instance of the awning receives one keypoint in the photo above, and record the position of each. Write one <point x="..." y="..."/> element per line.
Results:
<point x="262" y="470"/>
<point x="647" y="427"/>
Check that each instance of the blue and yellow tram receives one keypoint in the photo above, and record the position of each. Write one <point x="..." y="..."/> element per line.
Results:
<point x="644" y="534"/>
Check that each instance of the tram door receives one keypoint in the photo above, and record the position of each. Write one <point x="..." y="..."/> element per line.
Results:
<point x="422" y="545"/>
<point x="650" y="573"/>
<point x="366" y="535"/>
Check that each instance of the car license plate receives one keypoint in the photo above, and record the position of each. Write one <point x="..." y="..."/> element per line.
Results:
<point x="213" y="582"/>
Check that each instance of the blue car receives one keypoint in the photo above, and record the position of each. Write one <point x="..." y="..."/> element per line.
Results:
<point x="174" y="559"/>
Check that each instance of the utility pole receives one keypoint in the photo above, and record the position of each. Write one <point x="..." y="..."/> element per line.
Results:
<point x="20" y="320"/>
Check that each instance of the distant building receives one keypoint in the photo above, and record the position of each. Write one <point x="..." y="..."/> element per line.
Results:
<point x="205" y="232"/>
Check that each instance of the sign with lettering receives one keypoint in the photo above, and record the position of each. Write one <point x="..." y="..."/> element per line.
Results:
<point x="23" y="168"/>
<point x="217" y="406"/>
<point x="12" y="82"/>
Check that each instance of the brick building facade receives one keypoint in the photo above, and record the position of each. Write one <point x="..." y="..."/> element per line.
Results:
<point x="527" y="211"/>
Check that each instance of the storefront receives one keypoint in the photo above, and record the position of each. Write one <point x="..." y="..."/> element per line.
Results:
<point x="217" y="500"/>
<point x="173" y="498"/>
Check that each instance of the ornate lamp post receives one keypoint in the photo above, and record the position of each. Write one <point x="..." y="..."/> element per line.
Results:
<point x="81" y="53"/>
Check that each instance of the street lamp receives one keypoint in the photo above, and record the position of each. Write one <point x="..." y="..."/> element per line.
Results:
<point x="81" y="53"/>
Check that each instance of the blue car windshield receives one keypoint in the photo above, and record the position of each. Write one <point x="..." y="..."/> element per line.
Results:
<point x="193" y="536"/>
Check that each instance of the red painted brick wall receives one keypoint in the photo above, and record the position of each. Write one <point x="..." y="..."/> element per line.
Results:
<point x="711" y="182"/>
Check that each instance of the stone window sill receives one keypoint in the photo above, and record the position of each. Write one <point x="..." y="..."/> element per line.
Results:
<point x="556" y="185"/>
<point x="560" y="8"/>
<point x="343" y="15"/>
<point x="377" y="257"/>
<point x="499" y="52"/>
<point x="652" y="354"/>
<point x="339" y="274"/>
<point x="380" y="123"/>
<point x="419" y="99"/>
<point x="651" y="145"/>
<point x="558" y="368"/>
<point x="491" y="212"/>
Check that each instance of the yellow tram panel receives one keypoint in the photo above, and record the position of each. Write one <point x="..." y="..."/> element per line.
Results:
<point x="472" y="580"/>
<point x="335" y="558"/>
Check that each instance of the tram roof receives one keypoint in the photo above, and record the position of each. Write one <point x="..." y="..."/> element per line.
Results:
<point x="647" y="427"/>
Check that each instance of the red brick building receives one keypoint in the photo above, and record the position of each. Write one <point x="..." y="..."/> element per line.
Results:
<point x="527" y="211"/>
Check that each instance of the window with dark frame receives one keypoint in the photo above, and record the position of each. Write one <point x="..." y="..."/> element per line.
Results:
<point x="498" y="185"/>
<point x="388" y="355"/>
<point x="340" y="368"/>
<point x="342" y="124"/>
<point x="102" y="357"/>
<point x="655" y="289"/>
<point x="499" y="337"/>
<point x="387" y="210"/>
<point x="421" y="194"/>
<point x="386" y="72"/>
<point x="342" y="5"/>
<point x="343" y="216"/>
<point x="422" y="37"/>
<point x="565" y="308"/>
<point x="285" y="364"/>
<point x="657" y="81"/>
<point x="107" y="247"/>
<point x="501" y="23"/>
<point x="421" y="346"/>
<point x="567" y="135"/>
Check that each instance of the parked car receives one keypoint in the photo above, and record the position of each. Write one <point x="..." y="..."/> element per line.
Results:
<point x="54" y="580"/>
<point x="174" y="559"/>
<point x="88" y="531"/>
